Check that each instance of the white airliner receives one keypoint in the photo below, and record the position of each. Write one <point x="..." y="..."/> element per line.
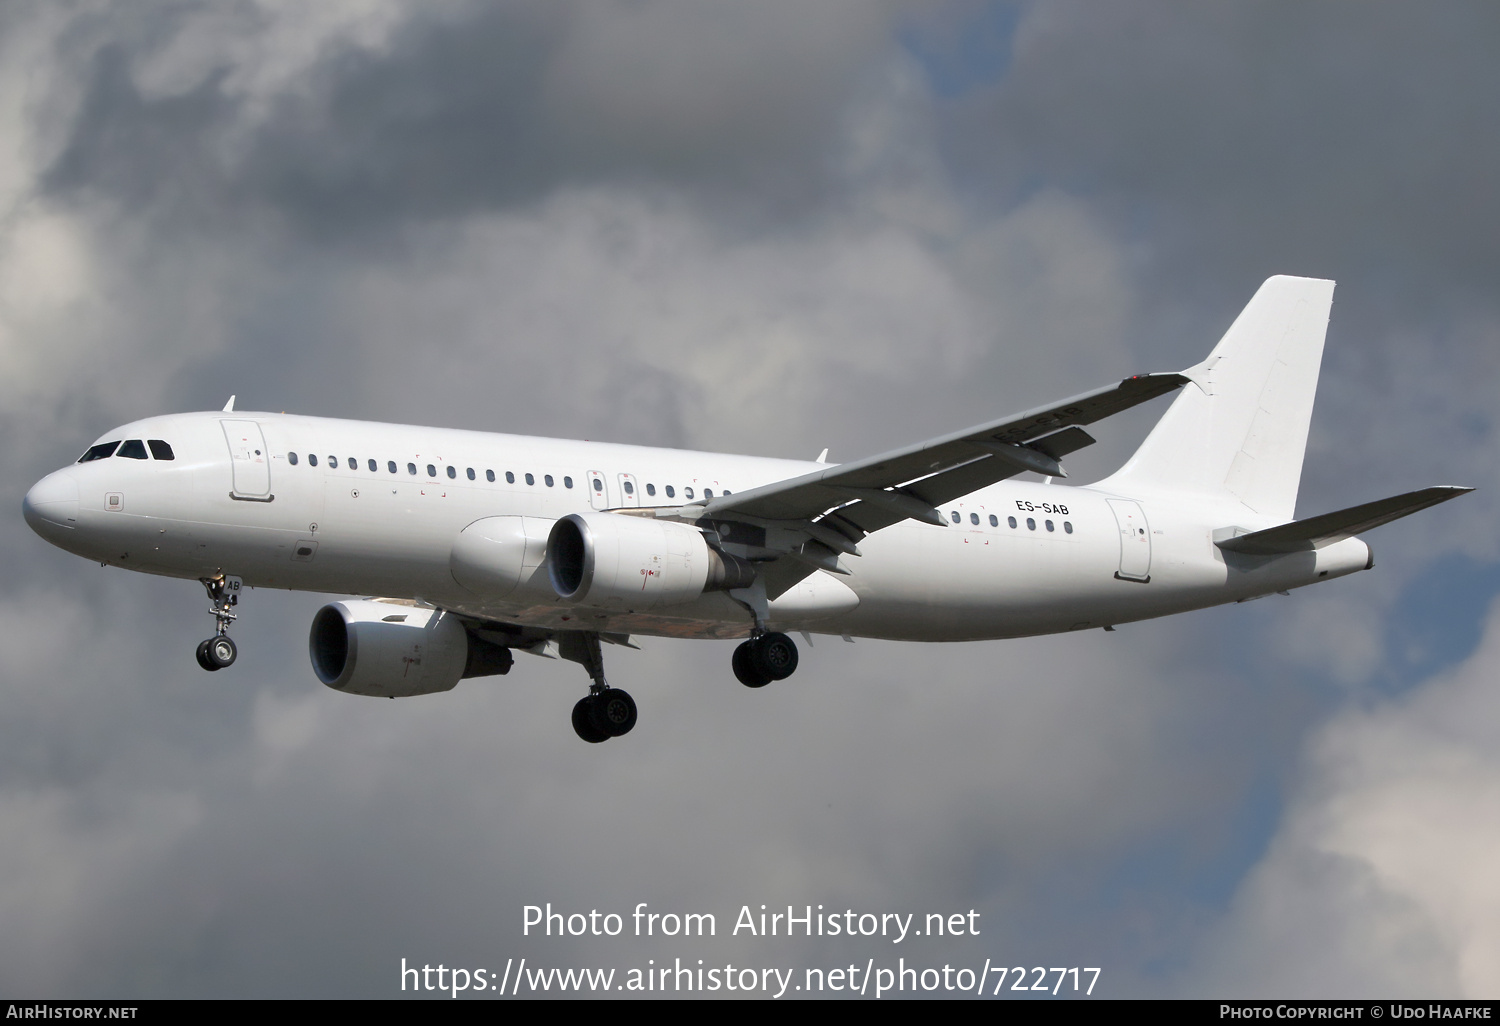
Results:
<point x="482" y="544"/>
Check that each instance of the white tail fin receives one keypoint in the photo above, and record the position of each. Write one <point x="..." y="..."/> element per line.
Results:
<point x="1240" y="430"/>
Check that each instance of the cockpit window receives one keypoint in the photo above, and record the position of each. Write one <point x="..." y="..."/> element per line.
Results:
<point x="160" y="450"/>
<point x="101" y="451"/>
<point x="132" y="449"/>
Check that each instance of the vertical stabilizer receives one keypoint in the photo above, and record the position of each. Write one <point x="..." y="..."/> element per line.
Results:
<point x="1240" y="430"/>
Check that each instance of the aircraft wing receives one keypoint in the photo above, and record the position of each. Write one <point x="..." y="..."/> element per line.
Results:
<point x="909" y="483"/>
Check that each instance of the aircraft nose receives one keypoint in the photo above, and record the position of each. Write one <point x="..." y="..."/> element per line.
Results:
<point x="51" y="507"/>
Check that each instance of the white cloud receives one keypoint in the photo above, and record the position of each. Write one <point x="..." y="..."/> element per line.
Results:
<point x="263" y="48"/>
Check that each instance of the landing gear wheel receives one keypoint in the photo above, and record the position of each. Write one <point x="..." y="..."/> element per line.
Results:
<point x="220" y="651"/>
<point x="613" y="712"/>
<point x="223" y="595"/>
<point x="745" y="667"/>
<point x="583" y="721"/>
<point x="774" y="655"/>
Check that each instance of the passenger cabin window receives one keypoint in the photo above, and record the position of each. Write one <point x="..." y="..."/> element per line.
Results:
<point x="1030" y="524"/>
<point x="101" y="451"/>
<point x="452" y="472"/>
<point x="629" y="488"/>
<point x="598" y="486"/>
<point x="974" y="519"/>
<point x="312" y="461"/>
<point x="567" y="482"/>
<point x="291" y="458"/>
<point x="650" y="489"/>
<point x="353" y="463"/>
<point x="708" y="493"/>
<point x="390" y="465"/>
<point x="994" y="520"/>
<point x="374" y="466"/>
<point x="548" y="479"/>
<point x="1049" y="526"/>
<point x="956" y="517"/>
<point x="132" y="449"/>
<point x="160" y="450"/>
<point x="687" y="493"/>
<point x="510" y="478"/>
<point x="530" y="480"/>
<point x="431" y="470"/>
<point x="411" y="468"/>
<point x="471" y="473"/>
<point x="671" y="492"/>
<point x="1068" y="526"/>
<point x="333" y="463"/>
<point x="489" y="475"/>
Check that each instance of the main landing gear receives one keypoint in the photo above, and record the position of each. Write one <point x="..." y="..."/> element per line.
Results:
<point x="219" y="651"/>
<point x="605" y="712"/>
<point x="764" y="658"/>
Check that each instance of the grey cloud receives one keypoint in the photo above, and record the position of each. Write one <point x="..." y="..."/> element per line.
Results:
<point x="483" y="108"/>
<point x="1257" y="130"/>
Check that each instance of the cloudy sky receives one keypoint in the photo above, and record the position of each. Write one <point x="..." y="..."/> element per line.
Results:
<point x="763" y="228"/>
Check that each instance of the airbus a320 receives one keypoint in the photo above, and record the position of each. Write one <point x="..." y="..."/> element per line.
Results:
<point x="481" y="545"/>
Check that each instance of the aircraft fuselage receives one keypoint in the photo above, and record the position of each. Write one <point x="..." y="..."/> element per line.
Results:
<point x="350" y="507"/>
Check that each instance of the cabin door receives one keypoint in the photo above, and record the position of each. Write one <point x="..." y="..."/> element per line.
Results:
<point x="1135" y="541"/>
<point x="248" y="459"/>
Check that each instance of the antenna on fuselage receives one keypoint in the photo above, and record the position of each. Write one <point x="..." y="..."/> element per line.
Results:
<point x="229" y="406"/>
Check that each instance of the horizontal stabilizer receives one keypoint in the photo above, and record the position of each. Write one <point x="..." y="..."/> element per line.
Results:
<point x="1315" y="532"/>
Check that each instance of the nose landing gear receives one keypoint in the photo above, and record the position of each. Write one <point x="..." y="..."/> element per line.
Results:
<point x="219" y="651"/>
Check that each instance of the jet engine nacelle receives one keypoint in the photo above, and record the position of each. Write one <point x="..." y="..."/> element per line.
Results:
<point x="498" y="557"/>
<point x="396" y="651"/>
<point x="629" y="563"/>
